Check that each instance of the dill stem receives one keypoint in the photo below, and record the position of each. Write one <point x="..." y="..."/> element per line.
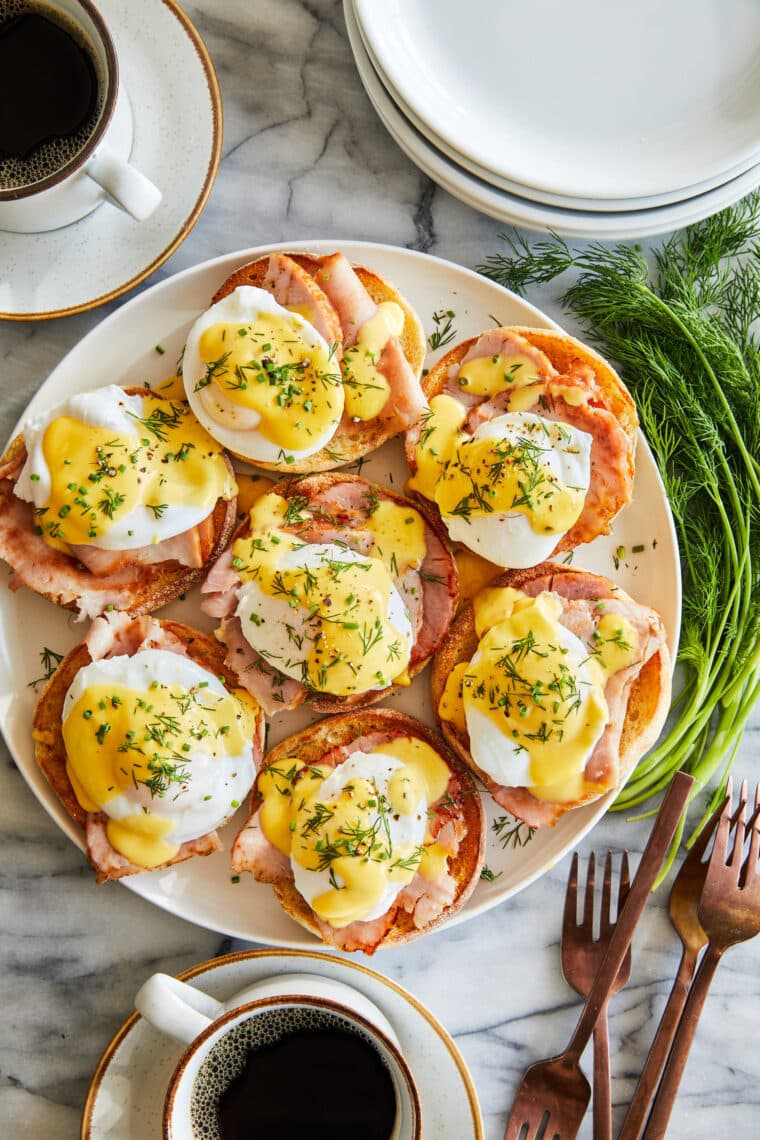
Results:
<point x="736" y="434"/>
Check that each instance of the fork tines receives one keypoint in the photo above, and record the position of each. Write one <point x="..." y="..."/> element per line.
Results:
<point x="606" y="920"/>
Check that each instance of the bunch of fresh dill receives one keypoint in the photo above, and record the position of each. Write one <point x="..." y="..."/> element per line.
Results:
<point x="679" y="326"/>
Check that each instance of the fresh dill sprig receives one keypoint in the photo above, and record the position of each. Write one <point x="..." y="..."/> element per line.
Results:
<point x="681" y="328"/>
<point x="444" y="331"/>
<point x="50" y="662"/>
<point x="510" y="831"/>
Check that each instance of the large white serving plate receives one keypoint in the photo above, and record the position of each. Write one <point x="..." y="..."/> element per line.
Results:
<point x="523" y="211"/>
<point x="122" y="349"/>
<point x="591" y="98"/>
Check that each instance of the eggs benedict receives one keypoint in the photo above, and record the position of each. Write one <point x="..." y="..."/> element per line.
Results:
<point x="527" y="446"/>
<point x="304" y="363"/>
<point x="115" y="499"/>
<point x="334" y="591"/>
<point x="551" y="685"/>
<point x="369" y="829"/>
<point x="147" y="742"/>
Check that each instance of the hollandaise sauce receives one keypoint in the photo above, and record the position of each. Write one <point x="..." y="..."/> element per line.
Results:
<point x="166" y="760"/>
<point x="321" y="612"/>
<point x="263" y="365"/>
<point x="120" y="472"/>
<point x="358" y="832"/>
<point x="367" y="389"/>
<point x="532" y="698"/>
<point x="506" y="466"/>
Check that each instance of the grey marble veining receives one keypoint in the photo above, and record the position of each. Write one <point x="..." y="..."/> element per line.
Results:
<point x="305" y="156"/>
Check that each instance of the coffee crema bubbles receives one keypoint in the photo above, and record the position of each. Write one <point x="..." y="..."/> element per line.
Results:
<point x="293" y="1072"/>
<point x="51" y="89"/>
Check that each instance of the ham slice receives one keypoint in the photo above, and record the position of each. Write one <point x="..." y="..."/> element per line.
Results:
<point x="273" y="691"/>
<point x="349" y="298"/>
<point x="110" y="864"/>
<point x="354" y="306"/>
<point x="51" y="572"/>
<point x="190" y="548"/>
<point x="253" y="852"/>
<point x="118" y="634"/>
<point x="292" y="287"/>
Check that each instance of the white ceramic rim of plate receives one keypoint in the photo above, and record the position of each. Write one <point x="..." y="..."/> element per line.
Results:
<point x="387" y="27"/>
<point x="353" y="971"/>
<point x="522" y="212"/>
<point x="206" y="67"/>
<point x="535" y="194"/>
<point x="180" y="890"/>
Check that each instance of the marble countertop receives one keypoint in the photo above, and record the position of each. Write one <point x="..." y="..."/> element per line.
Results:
<point x="304" y="157"/>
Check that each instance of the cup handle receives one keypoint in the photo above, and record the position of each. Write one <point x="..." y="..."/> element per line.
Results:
<point x="175" y="1008"/>
<point x="127" y="188"/>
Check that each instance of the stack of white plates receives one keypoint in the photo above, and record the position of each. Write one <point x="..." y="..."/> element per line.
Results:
<point x="592" y="118"/>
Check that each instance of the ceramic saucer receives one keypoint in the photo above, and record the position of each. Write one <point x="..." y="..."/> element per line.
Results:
<point x="177" y="112"/>
<point x="126" y="1094"/>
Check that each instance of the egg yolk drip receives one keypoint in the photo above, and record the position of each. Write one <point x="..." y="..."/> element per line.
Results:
<point x="366" y="388"/>
<point x="349" y="836"/>
<point x="341" y="635"/>
<point x="547" y="703"/>
<point x="120" y="741"/>
<point x="264" y="366"/>
<point x="98" y="477"/>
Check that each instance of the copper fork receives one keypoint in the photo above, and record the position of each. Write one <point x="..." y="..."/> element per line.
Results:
<point x="582" y="955"/>
<point x="682" y="906"/>
<point x="553" y="1096"/>
<point x="729" y="911"/>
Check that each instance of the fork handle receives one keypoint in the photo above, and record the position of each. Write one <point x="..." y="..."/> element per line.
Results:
<point x="641" y="1101"/>
<point x="602" y="1098"/>
<point x="687" y="1027"/>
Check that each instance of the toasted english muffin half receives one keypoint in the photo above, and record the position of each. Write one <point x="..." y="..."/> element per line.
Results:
<point x="612" y="455"/>
<point x="639" y="715"/>
<point x="331" y="741"/>
<point x="50" y="749"/>
<point x="135" y="588"/>
<point x="339" y="504"/>
<point x="352" y="440"/>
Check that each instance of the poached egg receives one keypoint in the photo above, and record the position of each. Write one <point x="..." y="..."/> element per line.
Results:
<point x="532" y="697"/>
<point x="510" y="490"/>
<point x="119" y="471"/>
<point x="320" y="612"/>
<point x="161" y="746"/>
<point x="261" y="379"/>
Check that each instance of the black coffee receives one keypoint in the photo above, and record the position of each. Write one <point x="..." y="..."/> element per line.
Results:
<point x="50" y="98"/>
<point x="307" y="1078"/>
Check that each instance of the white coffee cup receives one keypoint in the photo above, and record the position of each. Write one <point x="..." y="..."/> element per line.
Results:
<point x="204" y="1024"/>
<point x="100" y="171"/>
